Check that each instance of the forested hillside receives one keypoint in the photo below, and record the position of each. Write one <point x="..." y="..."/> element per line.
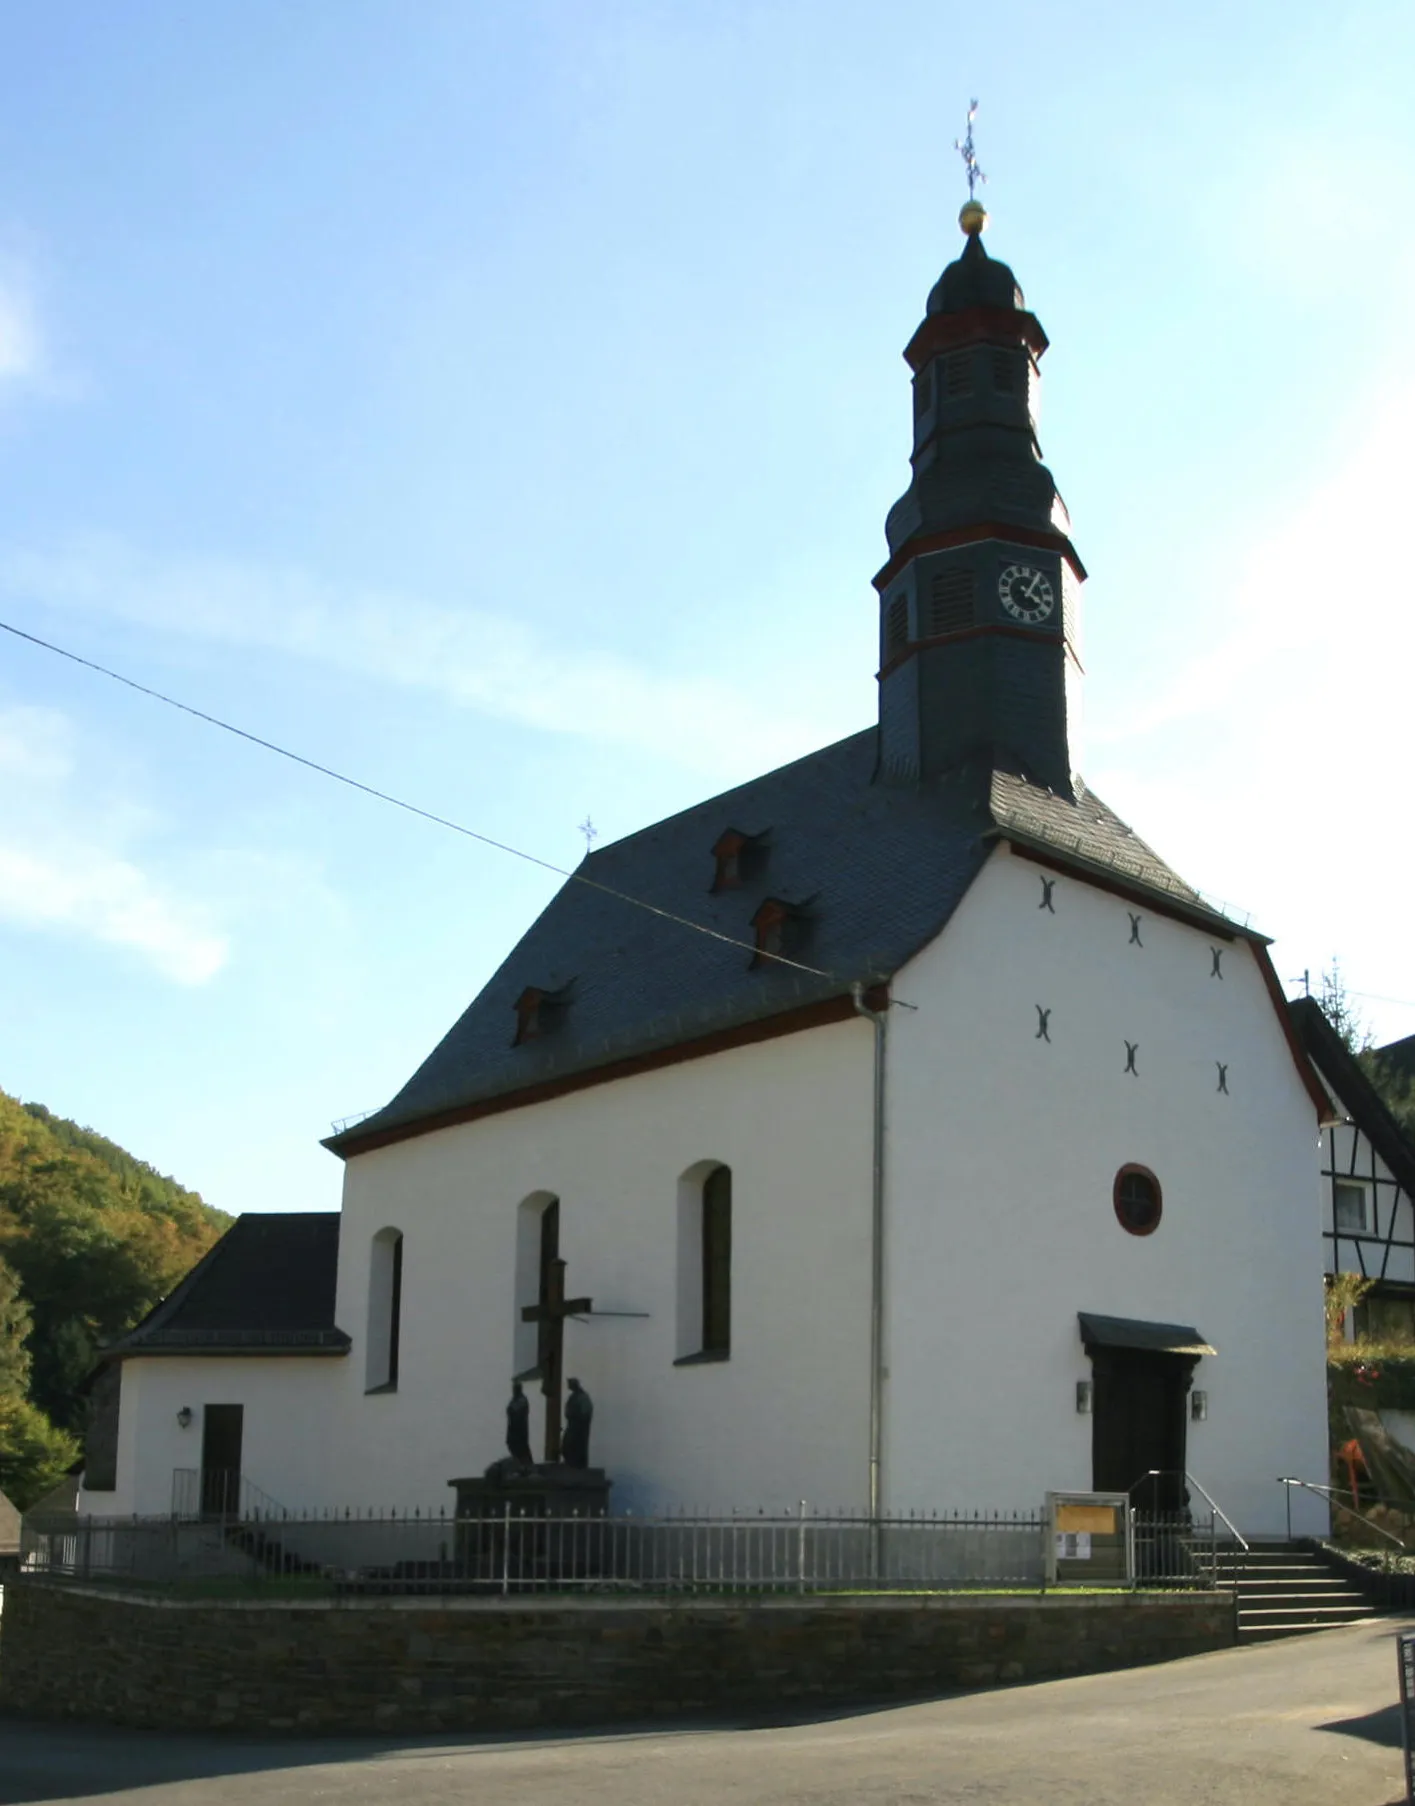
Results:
<point x="90" y="1240"/>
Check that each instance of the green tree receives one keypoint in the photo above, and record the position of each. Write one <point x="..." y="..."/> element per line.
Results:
<point x="15" y="1323"/>
<point x="94" y="1237"/>
<point x="1396" y="1089"/>
<point x="1339" y="1010"/>
<point x="34" y="1456"/>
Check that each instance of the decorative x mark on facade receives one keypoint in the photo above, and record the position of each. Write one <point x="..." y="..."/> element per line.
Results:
<point x="1222" y="1077"/>
<point x="1048" y="886"/>
<point x="1216" y="970"/>
<point x="1131" y="1049"/>
<point x="1043" y="1025"/>
<point x="1135" y="940"/>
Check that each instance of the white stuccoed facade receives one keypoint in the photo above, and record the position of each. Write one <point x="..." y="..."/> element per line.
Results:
<point x="1001" y="1151"/>
<point x="785" y="1418"/>
<point x="290" y="1420"/>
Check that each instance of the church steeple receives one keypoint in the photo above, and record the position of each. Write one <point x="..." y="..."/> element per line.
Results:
<point x="978" y="602"/>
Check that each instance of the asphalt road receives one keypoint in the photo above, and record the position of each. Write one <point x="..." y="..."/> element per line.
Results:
<point x="1310" y="1722"/>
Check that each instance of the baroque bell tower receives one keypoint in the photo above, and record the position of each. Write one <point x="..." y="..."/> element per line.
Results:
<point x="979" y="617"/>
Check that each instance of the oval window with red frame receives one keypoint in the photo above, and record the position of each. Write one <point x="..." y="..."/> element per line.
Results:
<point x="1137" y="1200"/>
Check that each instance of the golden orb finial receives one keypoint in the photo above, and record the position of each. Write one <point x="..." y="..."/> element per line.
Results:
<point x="972" y="217"/>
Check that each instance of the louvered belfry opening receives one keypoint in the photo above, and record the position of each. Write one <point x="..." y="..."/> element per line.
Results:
<point x="896" y="625"/>
<point x="952" y="600"/>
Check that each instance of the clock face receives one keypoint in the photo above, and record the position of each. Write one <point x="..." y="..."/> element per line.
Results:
<point x="1026" y="593"/>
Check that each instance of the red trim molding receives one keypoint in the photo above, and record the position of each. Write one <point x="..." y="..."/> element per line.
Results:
<point x="940" y="331"/>
<point x="1326" y="1110"/>
<point x="769" y="1028"/>
<point x="1046" y="538"/>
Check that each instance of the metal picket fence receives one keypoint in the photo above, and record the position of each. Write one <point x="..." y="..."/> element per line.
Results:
<point x="796" y="1550"/>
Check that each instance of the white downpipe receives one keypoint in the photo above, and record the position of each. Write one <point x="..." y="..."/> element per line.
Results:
<point x="876" y="1481"/>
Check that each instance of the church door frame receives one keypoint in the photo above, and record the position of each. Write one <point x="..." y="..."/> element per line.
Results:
<point x="1139" y="1424"/>
<point x="222" y="1436"/>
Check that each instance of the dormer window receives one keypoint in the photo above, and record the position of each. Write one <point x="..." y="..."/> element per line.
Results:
<point x="528" y="1025"/>
<point x="739" y="857"/>
<point x="539" y="1011"/>
<point x="779" y="928"/>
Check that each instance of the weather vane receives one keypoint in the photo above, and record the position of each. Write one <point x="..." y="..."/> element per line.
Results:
<point x="964" y="147"/>
<point x="590" y="832"/>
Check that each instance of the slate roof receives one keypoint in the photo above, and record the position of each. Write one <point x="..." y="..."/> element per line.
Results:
<point x="267" y="1287"/>
<point x="878" y="868"/>
<point x="1358" y="1096"/>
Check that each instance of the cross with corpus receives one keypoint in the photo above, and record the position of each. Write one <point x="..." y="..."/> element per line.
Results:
<point x="552" y="1311"/>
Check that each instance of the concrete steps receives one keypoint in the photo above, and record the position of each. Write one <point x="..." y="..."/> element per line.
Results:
<point x="1284" y="1591"/>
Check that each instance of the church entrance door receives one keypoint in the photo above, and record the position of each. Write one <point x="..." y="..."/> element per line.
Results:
<point x="1138" y="1424"/>
<point x="221" y="1431"/>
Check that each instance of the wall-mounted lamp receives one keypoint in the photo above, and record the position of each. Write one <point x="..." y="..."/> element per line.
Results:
<point x="184" y="1417"/>
<point x="1198" y="1406"/>
<point x="1084" y="1394"/>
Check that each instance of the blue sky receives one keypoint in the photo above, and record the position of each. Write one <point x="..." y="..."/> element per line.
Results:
<point x="502" y="403"/>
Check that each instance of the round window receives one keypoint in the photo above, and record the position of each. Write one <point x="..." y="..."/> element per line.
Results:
<point x="1137" y="1200"/>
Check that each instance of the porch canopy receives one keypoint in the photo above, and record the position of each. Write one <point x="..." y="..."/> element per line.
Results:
<point x="1134" y="1332"/>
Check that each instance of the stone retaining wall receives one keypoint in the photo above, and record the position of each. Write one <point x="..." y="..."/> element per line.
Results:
<point x="497" y="1665"/>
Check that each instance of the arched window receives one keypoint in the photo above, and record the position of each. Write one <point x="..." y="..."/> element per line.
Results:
<point x="537" y="1245"/>
<point x="385" y="1310"/>
<point x="705" y="1263"/>
<point x="717" y="1261"/>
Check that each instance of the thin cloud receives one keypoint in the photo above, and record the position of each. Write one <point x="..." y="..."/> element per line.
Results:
<point x="1319" y="603"/>
<point x="472" y="657"/>
<point x="1273" y="767"/>
<point x="21" y="345"/>
<point x="66" y="866"/>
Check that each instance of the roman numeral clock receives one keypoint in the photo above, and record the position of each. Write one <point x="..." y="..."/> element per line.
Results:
<point x="1026" y="593"/>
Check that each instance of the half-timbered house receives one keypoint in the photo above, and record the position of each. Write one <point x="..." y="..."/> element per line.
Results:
<point x="1368" y="1185"/>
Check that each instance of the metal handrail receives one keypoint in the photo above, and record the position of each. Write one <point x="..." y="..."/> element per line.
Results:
<point x="1334" y="1492"/>
<point x="1160" y="1473"/>
<point x="231" y="1495"/>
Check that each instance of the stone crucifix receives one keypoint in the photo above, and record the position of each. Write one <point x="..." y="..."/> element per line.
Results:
<point x="552" y="1311"/>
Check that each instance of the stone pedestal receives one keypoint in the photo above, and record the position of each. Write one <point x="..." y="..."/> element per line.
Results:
<point x="532" y="1526"/>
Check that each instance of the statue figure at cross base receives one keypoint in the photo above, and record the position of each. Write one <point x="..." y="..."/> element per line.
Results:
<point x="518" y="1427"/>
<point x="575" y="1442"/>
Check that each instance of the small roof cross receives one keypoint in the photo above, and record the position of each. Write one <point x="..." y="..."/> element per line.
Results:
<point x="964" y="147"/>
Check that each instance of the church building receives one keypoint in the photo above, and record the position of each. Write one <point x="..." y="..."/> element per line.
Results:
<point x="912" y="1135"/>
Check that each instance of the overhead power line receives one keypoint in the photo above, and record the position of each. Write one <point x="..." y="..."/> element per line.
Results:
<point x="398" y="802"/>
<point x="1405" y="1003"/>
